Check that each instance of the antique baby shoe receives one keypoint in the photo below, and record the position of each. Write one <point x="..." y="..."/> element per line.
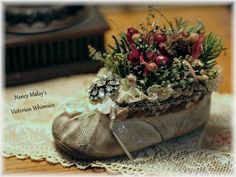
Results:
<point x="92" y="135"/>
<point x="156" y="85"/>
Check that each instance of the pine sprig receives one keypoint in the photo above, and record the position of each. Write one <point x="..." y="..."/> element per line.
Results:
<point x="118" y="48"/>
<point x="121" y="45"/>
<point x="197" y="28"/>
<point x="212" y="48"/>
<point x="125" y="44"/>
<point x="180" y="24"/>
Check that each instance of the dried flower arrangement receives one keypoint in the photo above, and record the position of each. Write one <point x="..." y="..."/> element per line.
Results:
<point x="161" y="61"/>
<point x="156" y="85"/>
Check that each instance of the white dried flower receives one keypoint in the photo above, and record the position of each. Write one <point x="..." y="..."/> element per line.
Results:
<point x="131" y="79"/>
<point x="162" y="93"/>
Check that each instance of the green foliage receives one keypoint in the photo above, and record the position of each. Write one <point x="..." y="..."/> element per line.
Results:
<point x="94" y="54"/>
<point x="177" y="76"/>
<point x="150" y="23"/>
<point x="121" y="45"/>
<point x="180" y="24"/>
<point x="212" y="48"/>
<point x="197" y="28"/>
<point x="153" y="22"/>
<point x="212" y="73"/>
<point x="121" y="63"/>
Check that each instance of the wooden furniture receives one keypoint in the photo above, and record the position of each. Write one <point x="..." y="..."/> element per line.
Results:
<point x="216" y="18"/>
<point x="23" y="19"/>
<point x="40" y="56"/>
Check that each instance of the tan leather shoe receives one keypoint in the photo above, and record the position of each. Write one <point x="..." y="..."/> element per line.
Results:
<point x="135" y="128"/>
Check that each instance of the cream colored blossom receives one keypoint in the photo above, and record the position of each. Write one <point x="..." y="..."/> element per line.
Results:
<point x="129" y="93"/>
<point x="132" y="79"/>
<point x="159" y="92"/>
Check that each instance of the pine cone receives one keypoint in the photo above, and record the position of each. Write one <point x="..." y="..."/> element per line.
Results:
<point x="105" y="86"/>
<point x="179" y="47"/>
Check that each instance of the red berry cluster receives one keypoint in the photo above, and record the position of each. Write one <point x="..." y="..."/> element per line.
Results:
<point x="150" y="59"/>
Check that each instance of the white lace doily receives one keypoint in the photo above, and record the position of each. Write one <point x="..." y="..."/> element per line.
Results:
<point x="29" y="135"/>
